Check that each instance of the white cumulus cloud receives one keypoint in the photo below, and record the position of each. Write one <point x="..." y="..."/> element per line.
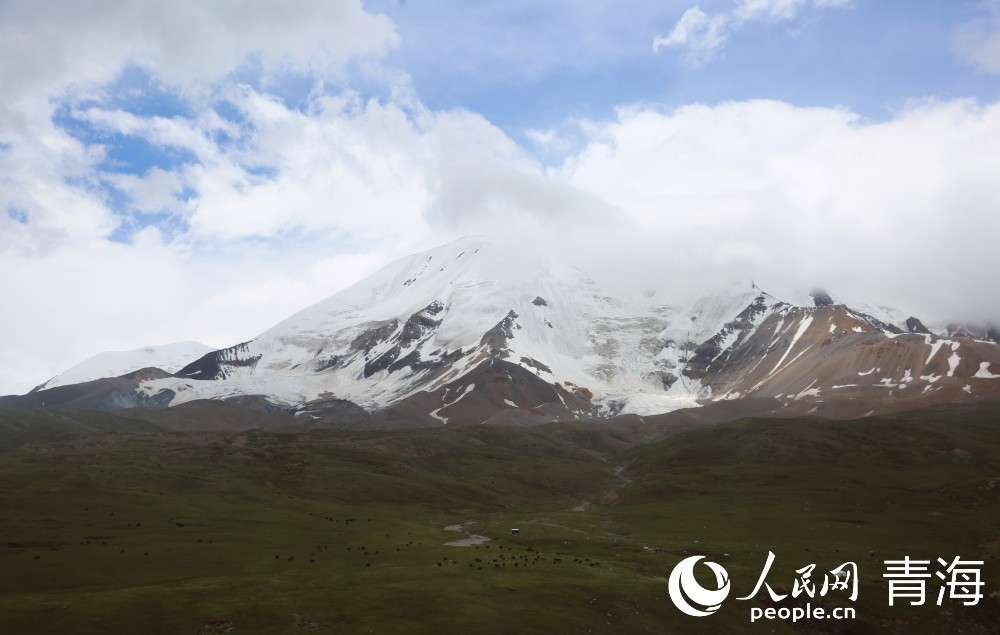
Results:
<point x="902" y="211"/>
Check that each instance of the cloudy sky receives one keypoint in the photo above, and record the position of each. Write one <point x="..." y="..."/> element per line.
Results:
<point x="192" y="170"/>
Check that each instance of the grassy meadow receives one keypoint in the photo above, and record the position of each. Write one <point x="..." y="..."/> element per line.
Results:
<point x="291" y="531"/>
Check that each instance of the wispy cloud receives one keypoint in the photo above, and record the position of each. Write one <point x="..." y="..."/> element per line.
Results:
<point x="703" y="35"/>
<point x="977" y="42"/>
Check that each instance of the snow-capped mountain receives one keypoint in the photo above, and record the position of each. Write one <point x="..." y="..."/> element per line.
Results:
<point x="168" y="357"/>
<point x="430" y="318"/>
<point x="482" y="330"/>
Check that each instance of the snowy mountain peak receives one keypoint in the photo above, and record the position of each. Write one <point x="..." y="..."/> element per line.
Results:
<point x="431" y="336"/>
<point x="168" y="357"/>
<point x="424" y="319"/>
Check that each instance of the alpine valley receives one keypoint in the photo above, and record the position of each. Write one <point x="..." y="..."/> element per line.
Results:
<point x="478" y="331"/>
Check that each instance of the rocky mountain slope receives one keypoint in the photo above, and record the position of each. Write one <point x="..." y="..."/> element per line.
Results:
<point x="481" y="331"/>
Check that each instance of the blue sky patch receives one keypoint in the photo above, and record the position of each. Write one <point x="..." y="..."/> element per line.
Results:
<point x="124" y="153"/>
<point x="522" y="73"/>
<point x="17" y="215"/>
<point x="140" y="93"/>
<point x="134" y="155"/>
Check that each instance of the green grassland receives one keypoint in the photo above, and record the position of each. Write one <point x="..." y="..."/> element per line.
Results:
<point x="291" y="531"/>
